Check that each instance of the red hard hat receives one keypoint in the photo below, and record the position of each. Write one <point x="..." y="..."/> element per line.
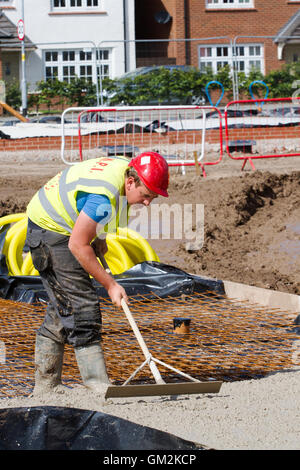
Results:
<point x="153" y="171"/>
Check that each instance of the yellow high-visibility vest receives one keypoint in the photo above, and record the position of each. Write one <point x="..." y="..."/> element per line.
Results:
<point x="53" y="207"/>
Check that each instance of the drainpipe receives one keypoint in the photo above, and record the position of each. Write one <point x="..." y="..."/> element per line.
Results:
<point x="187" y="32"/>
<point x="23" y="81"/>
<point x="125" y="17"/>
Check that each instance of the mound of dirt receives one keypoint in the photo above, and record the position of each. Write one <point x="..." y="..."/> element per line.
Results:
<point x="251" y="229"/>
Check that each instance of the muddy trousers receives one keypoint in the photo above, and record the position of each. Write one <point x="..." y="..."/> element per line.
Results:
<point x="73" y="314"/>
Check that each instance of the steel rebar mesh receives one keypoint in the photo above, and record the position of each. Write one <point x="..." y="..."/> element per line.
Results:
<point x="228" y="340"/>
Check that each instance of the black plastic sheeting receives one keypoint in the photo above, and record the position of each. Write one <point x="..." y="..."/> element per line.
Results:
<point x="147" y="278"/>
<point x="58" y="428"/>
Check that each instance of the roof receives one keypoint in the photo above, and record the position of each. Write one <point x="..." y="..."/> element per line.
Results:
<point x="290" y="30"/>
<point x="8" y="35"/>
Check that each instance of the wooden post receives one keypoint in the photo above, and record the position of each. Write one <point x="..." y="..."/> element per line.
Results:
<point x="197" y="169"/>
<point x="13" y="112"/>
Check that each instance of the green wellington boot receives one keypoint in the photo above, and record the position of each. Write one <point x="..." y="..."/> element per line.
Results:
<point x="91" y="364"/>
<point x="48" y="364"/>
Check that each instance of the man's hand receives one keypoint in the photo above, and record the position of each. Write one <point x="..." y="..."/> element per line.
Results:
<point x="116" y="294"/>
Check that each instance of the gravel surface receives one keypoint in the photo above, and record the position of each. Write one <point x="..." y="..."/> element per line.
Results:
<point x="246" y="415"/>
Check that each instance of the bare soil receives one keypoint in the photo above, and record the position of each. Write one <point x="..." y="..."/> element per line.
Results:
<point x="251" y="229"/>
<point x="251" y="218"/>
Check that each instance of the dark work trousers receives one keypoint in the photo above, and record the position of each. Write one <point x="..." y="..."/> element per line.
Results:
<point x="73" y="314"/>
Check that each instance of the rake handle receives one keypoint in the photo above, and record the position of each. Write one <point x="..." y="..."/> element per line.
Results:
<point x="141" y="342"/>
<point x="104" y="263"/>
<point x="136" y="331"/>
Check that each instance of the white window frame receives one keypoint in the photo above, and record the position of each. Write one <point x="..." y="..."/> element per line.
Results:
<point x="75" y="5"/>
<point x="65" y="64"/>
<point x="228" y="4"/>
<point x="218" y="55"/>
<point x="104" y="63"/>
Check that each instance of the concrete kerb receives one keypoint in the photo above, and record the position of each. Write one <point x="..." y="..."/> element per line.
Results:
<point x="264" y="297"/>
<point x="255" y="295"/>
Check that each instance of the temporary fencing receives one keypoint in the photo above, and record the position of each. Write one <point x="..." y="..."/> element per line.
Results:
<point x="182" y="134"/>
<point x="262" y="128"/>
<point x="185" y="135"/>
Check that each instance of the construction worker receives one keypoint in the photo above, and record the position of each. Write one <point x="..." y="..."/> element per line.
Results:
<point x="68" y="219"/>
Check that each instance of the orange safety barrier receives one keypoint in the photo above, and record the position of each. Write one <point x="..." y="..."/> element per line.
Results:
<point x="262" y="128"/>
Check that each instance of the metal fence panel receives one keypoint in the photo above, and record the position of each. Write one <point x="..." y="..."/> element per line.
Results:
<point x="262" y="128"/>
<point x="184" y="135"/>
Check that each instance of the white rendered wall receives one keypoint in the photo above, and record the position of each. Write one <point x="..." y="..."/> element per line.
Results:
<point x="103" y="27"/>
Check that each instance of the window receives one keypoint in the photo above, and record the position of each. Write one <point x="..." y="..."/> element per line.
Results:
<point x="65" y="65"/>
<point x="86" y="68"/>
<point x="51" y="68"/>
<point x="246" y="58"/>
<point x="103" y="63"/>
<point x="224" y="4"/>
<point x="4" y="3"/>
<point x="72" y="5"/>
<point x="68" y="65"/>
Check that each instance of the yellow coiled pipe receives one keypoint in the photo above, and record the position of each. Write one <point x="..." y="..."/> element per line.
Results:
<point x="126" y="248"/>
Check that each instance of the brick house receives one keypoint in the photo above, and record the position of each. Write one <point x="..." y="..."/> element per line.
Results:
<point x="212" y="27"/>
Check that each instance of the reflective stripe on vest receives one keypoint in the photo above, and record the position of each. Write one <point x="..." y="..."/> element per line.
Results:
<point x="47" y="206"/>
<point x="54" y="205"/>
<point x="64" y="188"/>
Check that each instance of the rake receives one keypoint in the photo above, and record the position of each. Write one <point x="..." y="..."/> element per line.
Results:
<point x="160" y="387"/>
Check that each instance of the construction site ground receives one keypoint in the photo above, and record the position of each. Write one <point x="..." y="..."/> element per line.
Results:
<point x="251" y="218"/>
<point x="251" y="236"/>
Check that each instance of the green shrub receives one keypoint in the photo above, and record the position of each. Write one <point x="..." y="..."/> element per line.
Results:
<point x="281" y="82"/>
<point x="80" y="92"/>
<point x="159" y="86"/>
<point x="53" y="93"/>
<point x="13" y="95"/>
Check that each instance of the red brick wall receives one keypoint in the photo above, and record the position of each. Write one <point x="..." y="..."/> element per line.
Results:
<point x="30" y="143"/>
<point x="266" y="19"/>
<point x="142" y="139"/>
